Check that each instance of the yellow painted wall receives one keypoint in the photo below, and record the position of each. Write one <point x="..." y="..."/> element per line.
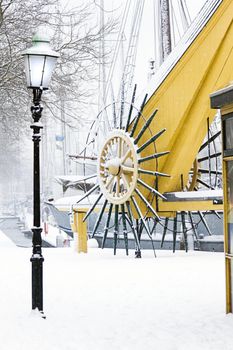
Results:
<point x="183" y="98"/>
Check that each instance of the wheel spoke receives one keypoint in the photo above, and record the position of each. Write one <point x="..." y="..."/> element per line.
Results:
<point x="92" y="207"/>
<point x="109" y="149"/>
<point x="136" y="120"/>
<point x="131" y="108"/>
<point x="147" y="203"/>
<point x="164" y="231"/>
<point x="117" y="185"/>
<point x="99" y="218"/>
<point x="119" y="148"/>
<point x="109" y="182"/>
<point x="154" y="173"/>
<point x="88" y="193"/>
<point x="112" y="186"/>
<point x="107" y="225"/>
<point x="124" y="178"/>
<point x="138" y="210"/>
<point x="124" y="228"/>
<point x="126" y="156"/>
<point x="152" y="139"/>
<point x="145" y="126"/>
<point x="127" y="169"/>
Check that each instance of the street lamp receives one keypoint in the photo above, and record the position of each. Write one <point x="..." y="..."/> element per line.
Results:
<point x="40" y="60"/>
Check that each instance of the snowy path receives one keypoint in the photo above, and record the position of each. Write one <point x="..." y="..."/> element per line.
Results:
<point x="98" y="301"/>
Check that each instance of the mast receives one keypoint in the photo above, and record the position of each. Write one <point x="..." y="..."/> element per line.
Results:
<point x="165" y="28"/>
<point x="162" y="31"/>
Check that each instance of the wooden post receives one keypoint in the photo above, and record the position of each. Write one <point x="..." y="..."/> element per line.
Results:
<point x="80" y="229"/>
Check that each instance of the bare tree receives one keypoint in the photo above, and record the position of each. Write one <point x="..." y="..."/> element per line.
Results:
<point x="76" y="36"/>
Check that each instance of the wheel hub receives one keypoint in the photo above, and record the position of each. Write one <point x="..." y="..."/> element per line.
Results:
<point x="113" y="166"/>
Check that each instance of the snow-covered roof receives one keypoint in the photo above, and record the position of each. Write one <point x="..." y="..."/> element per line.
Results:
<point x="194" y="195"/>
<point x="67" y="202"/>
<point x="73" y="180"/>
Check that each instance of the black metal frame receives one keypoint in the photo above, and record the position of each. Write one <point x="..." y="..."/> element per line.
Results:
<point x="37" y="258"/>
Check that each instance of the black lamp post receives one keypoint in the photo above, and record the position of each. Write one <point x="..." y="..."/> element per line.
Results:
<point x="40" y="61"/>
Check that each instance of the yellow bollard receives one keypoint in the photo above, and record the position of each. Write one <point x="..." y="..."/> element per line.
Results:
<point x="80" y="229"/>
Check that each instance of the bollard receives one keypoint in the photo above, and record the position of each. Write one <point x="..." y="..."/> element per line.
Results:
<point x="80" y="230"/>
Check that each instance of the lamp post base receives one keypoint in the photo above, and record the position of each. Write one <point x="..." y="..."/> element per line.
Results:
<point x="37" y="281"/>
<point x="37" y="271"/>
<point x="37" y="314"/>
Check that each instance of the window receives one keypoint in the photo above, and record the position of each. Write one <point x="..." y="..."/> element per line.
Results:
<point x="227" y="121"/>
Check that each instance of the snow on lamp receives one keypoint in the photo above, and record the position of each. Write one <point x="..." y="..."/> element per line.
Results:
<point x="40" y="61"/>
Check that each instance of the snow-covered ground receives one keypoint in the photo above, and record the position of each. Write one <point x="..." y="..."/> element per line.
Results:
<point x="100" y="301"/>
